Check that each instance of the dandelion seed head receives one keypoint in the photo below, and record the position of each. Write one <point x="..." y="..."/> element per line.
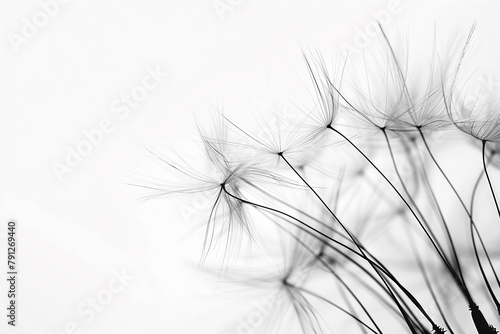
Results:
<point x="482" y="121"/>
<point x="326" y="87"/>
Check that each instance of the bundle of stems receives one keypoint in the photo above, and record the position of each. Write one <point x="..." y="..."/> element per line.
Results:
<point x="376" y="210"/>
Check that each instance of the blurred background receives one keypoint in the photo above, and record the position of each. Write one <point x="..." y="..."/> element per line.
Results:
<point x="86" y="84"/>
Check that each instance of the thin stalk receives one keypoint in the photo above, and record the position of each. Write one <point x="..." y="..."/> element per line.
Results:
<point x="488" y="178"/>
<point x="472" y="223"/>
<point x="377" y="266"/>
<point x="476" y="186"/>
<point x="464" y="291"/>
<point x="427" y="281"/>
<point x="330" y="269"/>
<point x="405" y="189"/>
<point x="441" y="217"/>
<point x="336" y="306"/>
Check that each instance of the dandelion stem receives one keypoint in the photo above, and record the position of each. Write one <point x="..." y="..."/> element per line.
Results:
<point x="337" y="307"/>
<point x="442" y="172"/>
<point x="427" y="282"/>
<point x="322" y="202"/>
<point x="330" y="269"/>
<point x="346" y="230"/>
<point x="308" y="227"/>
<point x="441" y="217"/>
<point x="443" y="258"/>
<point x="405" y="189"/>
<point x="376" y="268"/>
<point x="488" y="178"/>
<point x="474" y="191"/>
<point x="473" y="226"/>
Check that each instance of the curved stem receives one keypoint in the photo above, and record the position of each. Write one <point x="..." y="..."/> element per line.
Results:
<point x="463" y="287"/>
<point x="477" y="232"/>
<point x="336" y="306"/>
<point x="431" y="235"/>
<point x="476" y="253"/>
<point x="376" y="265"/>
<point x="488" y="178"/>
<point x="330" y="269"/>
<point x="473" y="226"/>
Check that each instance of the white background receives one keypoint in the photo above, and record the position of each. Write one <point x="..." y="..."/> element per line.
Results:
<point x="64" y="80"/>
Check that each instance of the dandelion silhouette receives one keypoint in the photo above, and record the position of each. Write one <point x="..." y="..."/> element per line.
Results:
<point x="354" y="194"/>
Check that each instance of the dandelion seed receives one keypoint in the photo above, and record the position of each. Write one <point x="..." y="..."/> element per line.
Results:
<point x="240" y="174"/>
<point x="326" y="87"/>
<point x="227" y="222"/>
<point x="480" y="119"/>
